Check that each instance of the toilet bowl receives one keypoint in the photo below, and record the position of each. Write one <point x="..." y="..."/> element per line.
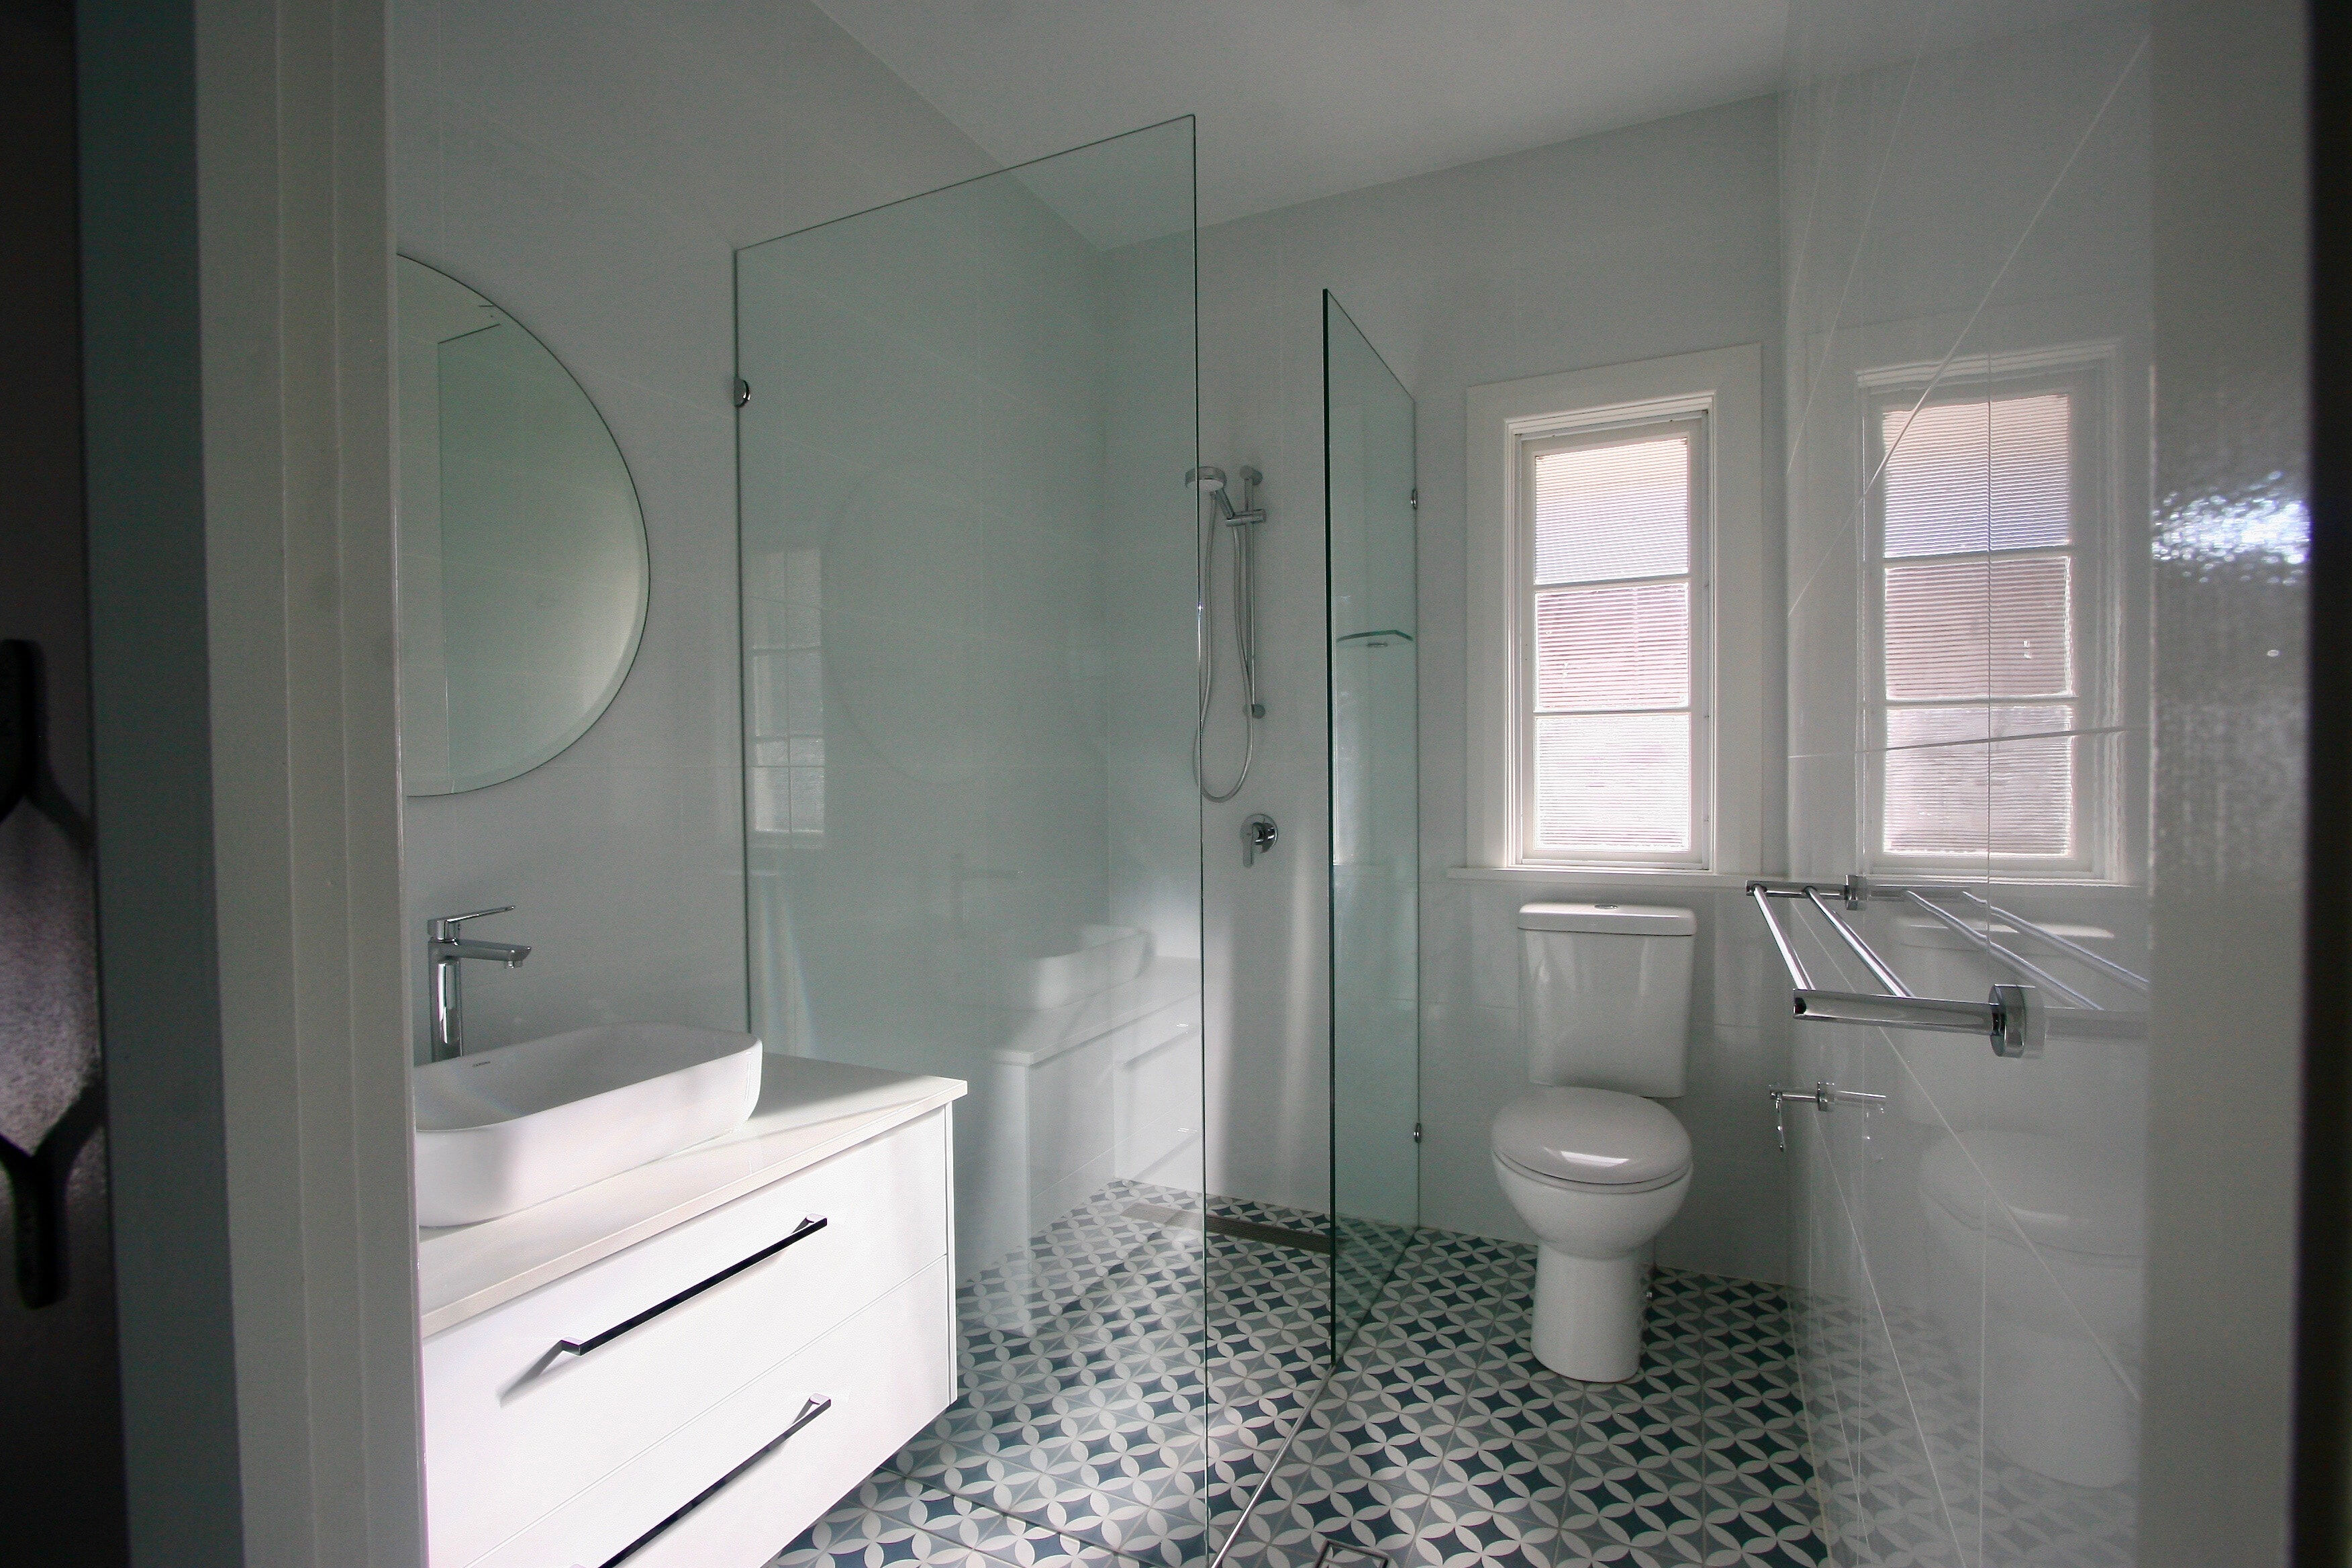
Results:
<point x="2036" y="1269"/>
<point x="1589" y="1158"/>
<point x="1596" y="1175"/>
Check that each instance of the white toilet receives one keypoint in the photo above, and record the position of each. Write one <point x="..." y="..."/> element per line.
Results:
<point x="2037" y="1267"/>
<point x="1589" y="1158"/>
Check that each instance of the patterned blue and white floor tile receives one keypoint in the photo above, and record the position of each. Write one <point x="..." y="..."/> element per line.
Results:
<point x="1444" y="1443"/>
<point x="1127" y="1384"/>
<point x="1872" y="1373"/>
<point x="1123" y="1383"/>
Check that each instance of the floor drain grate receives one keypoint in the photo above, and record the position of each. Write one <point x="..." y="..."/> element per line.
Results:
<point x="1336" y="1553"/>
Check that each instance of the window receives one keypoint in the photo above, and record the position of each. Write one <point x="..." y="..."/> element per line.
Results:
<point x="1611" y="622"/>
<point x="1989" y="623"/>
<point x="1605" y="734"/>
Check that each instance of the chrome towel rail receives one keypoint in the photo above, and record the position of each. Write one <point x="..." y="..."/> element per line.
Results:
<point x="1869" y="960"/>
<point x="1823" y="1097"/>
<point x="2010" y="956"/>
<point x="1760" y="892"/>
<point x="2009" y="1019"/>
<point x="2074" y="949"/>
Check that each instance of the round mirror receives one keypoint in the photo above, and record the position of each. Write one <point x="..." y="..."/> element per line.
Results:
<point x="522" y="549"/>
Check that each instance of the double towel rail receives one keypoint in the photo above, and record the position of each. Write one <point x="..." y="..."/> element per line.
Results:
<point x="2013" y="1017"/>
<point x="1984" y="939"/>
<point x="2074" y="949"/>
<point x="2007" y="1018"/>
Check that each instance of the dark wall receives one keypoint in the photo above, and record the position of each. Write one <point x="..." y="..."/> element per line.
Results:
<point x="151" y="747"/>
<point x="61" y="1450"/>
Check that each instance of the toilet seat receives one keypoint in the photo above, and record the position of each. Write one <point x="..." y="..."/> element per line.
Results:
<point x="1594" y="1140"/>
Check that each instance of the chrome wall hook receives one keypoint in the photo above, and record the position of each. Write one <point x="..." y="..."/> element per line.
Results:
<point x="1823" y="1097"/>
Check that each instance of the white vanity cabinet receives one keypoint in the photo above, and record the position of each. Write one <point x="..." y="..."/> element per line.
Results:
<point x="690" y="1361"/>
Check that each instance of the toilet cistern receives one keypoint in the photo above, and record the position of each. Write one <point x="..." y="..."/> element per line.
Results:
<point x="445" y="951"/>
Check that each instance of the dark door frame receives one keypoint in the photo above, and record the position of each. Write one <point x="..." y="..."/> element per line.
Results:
<point x="2322" y="1518"/>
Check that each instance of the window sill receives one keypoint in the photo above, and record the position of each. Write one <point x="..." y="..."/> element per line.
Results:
<point x="1663" y="877"/>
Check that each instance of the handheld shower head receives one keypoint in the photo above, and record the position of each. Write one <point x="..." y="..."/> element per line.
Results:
<point x="1210" y="482"/>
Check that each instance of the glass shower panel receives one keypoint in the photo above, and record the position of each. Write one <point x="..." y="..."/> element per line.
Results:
<point x="1370" y="504"/>
<point x="972" y="840"/>
<point x="1970" y="1272"/>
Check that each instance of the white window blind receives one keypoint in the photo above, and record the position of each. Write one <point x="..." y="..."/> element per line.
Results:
<point x="1980" y="628"/>
<point x="1610" y="609"/>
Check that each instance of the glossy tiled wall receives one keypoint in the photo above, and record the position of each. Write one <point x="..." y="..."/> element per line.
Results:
<point x="2232" y="601"/>
<point x="594" y="176"/>
<point x="1964" y="209"/>
<point x="938" y="522"/>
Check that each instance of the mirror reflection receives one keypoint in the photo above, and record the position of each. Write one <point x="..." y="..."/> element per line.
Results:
<point x="522" y="548"/>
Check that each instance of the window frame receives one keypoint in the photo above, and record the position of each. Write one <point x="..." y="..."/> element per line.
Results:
<point x="1735" y="673"/>
<point x="2085" y="373"/>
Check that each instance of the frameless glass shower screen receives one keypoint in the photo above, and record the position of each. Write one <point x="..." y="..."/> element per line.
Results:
<point x="973" y="839"/>
<point x="1370" y="502"/>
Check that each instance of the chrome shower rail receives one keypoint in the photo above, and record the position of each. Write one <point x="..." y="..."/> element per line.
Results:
<point x="2009" y="1019"/>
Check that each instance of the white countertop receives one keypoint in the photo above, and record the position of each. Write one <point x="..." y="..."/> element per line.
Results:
<point x="809" y="1110"/>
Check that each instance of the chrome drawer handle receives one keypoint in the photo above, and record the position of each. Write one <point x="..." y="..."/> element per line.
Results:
<point x="801" y="1232"/>
<point x="809" y="1412"/>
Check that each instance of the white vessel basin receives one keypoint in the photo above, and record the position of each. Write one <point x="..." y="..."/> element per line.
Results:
<point x="503" y="1129"/>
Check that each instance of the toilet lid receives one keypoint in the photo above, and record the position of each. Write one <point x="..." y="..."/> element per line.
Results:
<point x="2061" y="1196"/>
<point x="1594" y="1137"/>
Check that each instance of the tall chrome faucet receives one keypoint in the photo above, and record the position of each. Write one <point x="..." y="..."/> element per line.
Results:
<point x="444" y="951"/>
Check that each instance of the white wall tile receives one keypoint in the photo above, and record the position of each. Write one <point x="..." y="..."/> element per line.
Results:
<point x="1735" y="1220"/>
<point x="593" y="177"/>
<point x="1471" y="1063"/>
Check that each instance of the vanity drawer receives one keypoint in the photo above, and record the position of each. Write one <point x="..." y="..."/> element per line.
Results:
<point x="856" y="1397"/>
<point x="515" y="1423"/>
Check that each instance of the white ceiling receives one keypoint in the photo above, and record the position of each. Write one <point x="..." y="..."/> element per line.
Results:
<point x="1301" y="98"/>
